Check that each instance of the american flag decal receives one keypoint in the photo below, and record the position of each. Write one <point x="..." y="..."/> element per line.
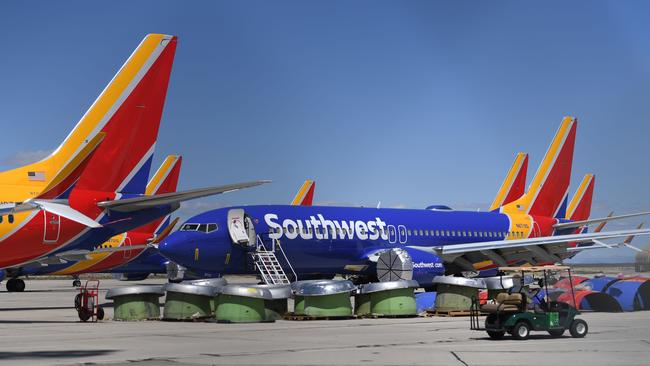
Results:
<point x="36" y="176"/>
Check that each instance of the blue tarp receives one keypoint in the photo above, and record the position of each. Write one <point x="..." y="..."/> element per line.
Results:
<point x="598" y="283"/>
<point x="631" y="295"/>
<point x="425" y="301"/>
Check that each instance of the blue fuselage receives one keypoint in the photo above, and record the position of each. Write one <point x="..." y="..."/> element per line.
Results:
<point x="328" y="240"/>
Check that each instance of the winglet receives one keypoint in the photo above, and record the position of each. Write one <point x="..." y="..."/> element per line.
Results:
<point x="551" y="182"/>
<point x="305" y="195"/>
<point x="514" y="184"/>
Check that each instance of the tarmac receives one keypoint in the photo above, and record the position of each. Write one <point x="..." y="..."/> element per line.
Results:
<point x="41" y="327"/>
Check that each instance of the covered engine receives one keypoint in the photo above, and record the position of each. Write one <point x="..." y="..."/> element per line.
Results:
<point x="409" y="264"/>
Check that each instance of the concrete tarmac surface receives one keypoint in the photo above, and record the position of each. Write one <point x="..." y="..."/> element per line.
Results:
<point x="41" y="327"/>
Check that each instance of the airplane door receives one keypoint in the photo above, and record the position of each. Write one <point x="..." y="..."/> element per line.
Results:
<point x="401" y="229"/>
<point x="392" y="234"/>
<point x="52" y="227"/>
<point x="127" y="244"/>
<point x="238" y="227"/>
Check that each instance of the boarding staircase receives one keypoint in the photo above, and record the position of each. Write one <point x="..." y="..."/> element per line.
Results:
<point x="268" y="264"/>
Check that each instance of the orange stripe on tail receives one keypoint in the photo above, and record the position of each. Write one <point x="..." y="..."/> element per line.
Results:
<point x="305" y="195"/>
<point x="514" y="184"/>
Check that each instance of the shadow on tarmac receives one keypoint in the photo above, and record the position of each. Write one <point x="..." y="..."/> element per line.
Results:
<point x="58" y="353"/>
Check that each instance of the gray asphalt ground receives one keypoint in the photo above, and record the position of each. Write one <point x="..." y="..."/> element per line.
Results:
<point x="41" y="327"/>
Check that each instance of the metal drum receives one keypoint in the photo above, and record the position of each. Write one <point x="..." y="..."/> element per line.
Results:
<point x="395" y="298"/>
<point x="188" y="302"/>
<point x="456" y="293"/>
<point x="498" y="284"/>
<point x="136" y="302"/>
<point x="322" y="298"/>
<point x="242" y="304"/>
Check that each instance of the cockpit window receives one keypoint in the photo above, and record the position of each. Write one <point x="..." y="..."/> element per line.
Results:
<point x="190" y="227"/>
<point x="204" y="228"/>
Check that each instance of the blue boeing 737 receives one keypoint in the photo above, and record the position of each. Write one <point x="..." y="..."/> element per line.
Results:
<point x="384" y="244"/>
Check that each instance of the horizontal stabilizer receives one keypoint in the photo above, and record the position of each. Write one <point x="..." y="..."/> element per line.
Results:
<point x="57" y="207"/>
<point x="145" y="202"/>
<point x="575" y="224"/>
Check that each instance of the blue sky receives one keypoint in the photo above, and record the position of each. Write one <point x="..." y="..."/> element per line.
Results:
<point x="405" y="102"/>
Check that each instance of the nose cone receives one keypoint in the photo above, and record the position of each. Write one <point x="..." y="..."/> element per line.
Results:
<point x="176" y="249"/>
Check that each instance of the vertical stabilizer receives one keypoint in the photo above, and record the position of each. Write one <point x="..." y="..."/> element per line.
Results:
<point x="580" y="206"/>
<point x="165" y="180"/>
<point x="515" y="183"/>
<point x="305" y="195"/>
<point x="551" y="182"/>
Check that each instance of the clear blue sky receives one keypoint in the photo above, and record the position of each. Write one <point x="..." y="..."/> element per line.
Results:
<point x="404" y="102"/>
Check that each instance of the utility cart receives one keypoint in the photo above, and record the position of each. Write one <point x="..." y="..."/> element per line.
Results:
<point x="516" y="313"/>
<point x="87" y="302"/>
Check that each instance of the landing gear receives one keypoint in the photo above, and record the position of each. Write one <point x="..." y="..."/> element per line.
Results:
<point x="15" y="285"/>
<point x="76" y="283"/>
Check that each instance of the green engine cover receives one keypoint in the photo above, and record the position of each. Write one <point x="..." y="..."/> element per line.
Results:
<point x="240" y="309"/>
<point x="184" y="306"/>
<point x="136" y="307"/>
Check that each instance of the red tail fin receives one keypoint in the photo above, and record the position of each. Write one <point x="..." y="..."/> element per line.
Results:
<point x="132" y="106"/>
<point x="305" y="194"/>
<point x="580" y="205"/>
<point x="165" y="180"/>
<point x="551" y="182"/>
<point x="514" y="184"/>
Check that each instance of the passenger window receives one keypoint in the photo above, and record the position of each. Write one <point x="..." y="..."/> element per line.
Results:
<point x="11" y="219"/>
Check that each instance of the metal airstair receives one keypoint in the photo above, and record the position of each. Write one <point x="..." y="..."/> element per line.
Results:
<point x="268" y="264"/>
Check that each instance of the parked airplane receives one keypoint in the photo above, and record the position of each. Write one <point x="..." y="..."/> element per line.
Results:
<point x="118" y="250"/>
<point x="91" y="187"/>
<point x="324" y="241"/>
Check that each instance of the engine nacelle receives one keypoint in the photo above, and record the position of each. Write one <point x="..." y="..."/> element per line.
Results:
<point x="409" y="264"/>
<point x="426" y="266"/>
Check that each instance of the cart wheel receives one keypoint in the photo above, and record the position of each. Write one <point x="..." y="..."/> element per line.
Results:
<point x="556" y="333"/>
<point x="100" y="313"/>
<point x="84" y="314"/>
<point x="521" y="331"/>
<point x="495" y="335"/>
<point x="579" y="328"/>
<point x="77" y="302"/>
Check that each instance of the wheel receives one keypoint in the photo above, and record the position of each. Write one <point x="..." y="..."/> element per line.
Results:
<point x="495" y="335"/>
<point x="76" y="283"/>
<point x="11" y="285"/>
<point x="521" y="331"/>
<point x="84" y="314"/>
<point x="19" y="285"/>
<point x="556" y="333"/>
<point x="579" y="328"/>
<point x="77" y="302"/>
<point x="100" y="313"/>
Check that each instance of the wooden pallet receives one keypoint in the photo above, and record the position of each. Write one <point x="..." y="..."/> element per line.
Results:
<point x="451" y="313"/>
<point x="293" y="316"/>
<point x="379" y="316"/>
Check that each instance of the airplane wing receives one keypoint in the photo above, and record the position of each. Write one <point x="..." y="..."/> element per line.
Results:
<point x="576" y="224"/>
<point x="144" y="202"/>
<point x="546" y="240"/>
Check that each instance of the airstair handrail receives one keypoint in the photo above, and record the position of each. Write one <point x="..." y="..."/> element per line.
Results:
<point x="277" y="243"/>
